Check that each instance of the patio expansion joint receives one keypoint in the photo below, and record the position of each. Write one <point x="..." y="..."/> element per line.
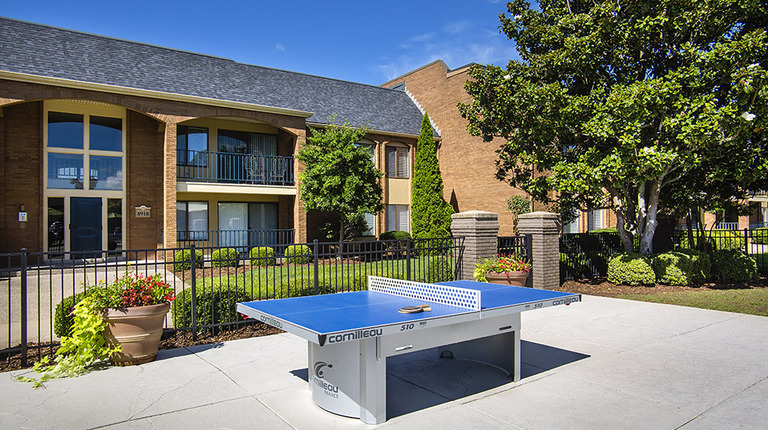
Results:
<point x="765" y="378"/>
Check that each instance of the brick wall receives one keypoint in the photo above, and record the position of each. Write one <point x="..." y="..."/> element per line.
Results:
<point x="467" y="163"/>
<point x="22" y="176"/>
<point x="144" y="182"/>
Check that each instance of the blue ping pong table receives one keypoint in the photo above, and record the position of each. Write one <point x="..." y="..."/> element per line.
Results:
<point x="350" y="335"/>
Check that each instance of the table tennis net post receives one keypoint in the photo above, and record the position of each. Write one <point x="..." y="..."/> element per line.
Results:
<point x="445" y="294"/>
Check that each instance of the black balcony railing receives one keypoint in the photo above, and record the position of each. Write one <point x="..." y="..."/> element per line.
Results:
<point x="224" y="167"/>
<point x="242" y="240"/>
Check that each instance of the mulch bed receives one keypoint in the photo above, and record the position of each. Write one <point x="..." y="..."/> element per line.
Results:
<point x="601" y="287"/>
<point x="170" y="340"/>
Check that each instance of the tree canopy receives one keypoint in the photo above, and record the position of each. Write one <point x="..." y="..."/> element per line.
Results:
<point x="626" y="104"/>
<point x="430" y="213"/>
<point x="339" y="174"/>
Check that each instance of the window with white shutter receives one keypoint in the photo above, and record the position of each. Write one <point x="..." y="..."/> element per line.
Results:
<point x="398" y="218"/>
<point x="397" y="162"/>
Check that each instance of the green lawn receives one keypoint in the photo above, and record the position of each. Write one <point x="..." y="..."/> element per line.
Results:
<point x="272" y="281"/>
<point x="746" y="301"/>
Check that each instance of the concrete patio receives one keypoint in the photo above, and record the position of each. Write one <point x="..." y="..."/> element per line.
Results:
<point x="603" y="363"/>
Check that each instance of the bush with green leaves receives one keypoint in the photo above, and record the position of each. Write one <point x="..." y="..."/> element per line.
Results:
<point x="681" y="268"/>
<point x="214" y="305"/>
<point x="629" y="268"/>
<point x="63" y="315"/>
<point x="714" y="239"/>
<point x="395" y="235"/>
<point x="298" y="254"/>
<point x="733" y="265"/>
<point x="437" y="268"/>
<point x="225" y="257"/>
<point x="430" y="213"/>
<point x="263" y="256"/>
<point x="760" y="236"/>
<point x="299" y="286"/>
<point x="182" y="260"/>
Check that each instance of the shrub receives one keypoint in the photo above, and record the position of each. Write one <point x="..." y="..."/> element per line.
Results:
<point x="760" y="236"/>
<point x="263" y="256"/>
<point x="63" y="318"/>
<point x="298" y="254"/>
<point x="681" y="268"/>
<point x="732" y="265"/>
<point x="715" y="239"/>
<point x="629" y="268"/>
<point x="214" y="305"/>
<point x="394" y="235"/>
<point x="182" y="260"/>
<point x="303" y="286"/>
<point x="225" y="257"/>
<point x="437" y="269"/>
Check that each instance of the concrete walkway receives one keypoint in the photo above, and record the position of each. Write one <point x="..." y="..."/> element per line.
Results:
<point x="600" y="364"/>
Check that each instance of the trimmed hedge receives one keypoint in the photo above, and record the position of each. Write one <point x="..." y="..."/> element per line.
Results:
<point x="732" y="265"/>
<point x="760" y="236"/>
<point x="263" y="256"/>
<point x="225" y="257"/>
<point x="629" y="268"/>
<point x="394" y="235"/>
<point x="437" y="269"/>
<point x="298" y="254"/>
<point x="715" y="239"/>
<point x="687" y="267"/>
<point x="182" y="260"/>
<point x="215" y="305"/>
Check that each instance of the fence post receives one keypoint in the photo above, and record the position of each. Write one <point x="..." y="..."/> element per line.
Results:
<point x="529" y="256"/>
<point x="544" y="228"/>
<point x="408" y="258"/>
<point x="315" y="257"/>
<point x="746" y="241"/>
<point x="193" y="280"/>
<point x="23" y="263"/>
<point x="480" y="231"/>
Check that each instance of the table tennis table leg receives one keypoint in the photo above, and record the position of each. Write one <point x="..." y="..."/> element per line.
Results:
<point x="373" y="382"/>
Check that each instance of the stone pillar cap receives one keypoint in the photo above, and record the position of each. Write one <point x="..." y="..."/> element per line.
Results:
<point x="544" y="215"/>
<point x="475" y="215"/>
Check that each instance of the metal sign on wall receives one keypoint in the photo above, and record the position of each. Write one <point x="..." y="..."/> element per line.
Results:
<point x="143" y="211"/>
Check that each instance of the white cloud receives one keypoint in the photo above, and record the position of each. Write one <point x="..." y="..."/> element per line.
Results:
<point x="280" y="47"/>
<point x="422" y="37"/>
<point x="457" y="26"/>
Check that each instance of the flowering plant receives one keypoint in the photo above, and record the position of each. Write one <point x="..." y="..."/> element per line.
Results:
<point x="132" y="290"/>
<point x="501" y="264"/>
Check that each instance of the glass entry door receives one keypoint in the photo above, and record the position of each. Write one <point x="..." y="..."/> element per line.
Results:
<point x="85" y="223"/>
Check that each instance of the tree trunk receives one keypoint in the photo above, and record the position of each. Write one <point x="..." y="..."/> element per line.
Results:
<point x="651" y="218"/>
<point x="624" y="235"/>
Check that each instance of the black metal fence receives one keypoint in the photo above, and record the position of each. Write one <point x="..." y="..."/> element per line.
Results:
<point x="585" y="255"/>
<point x="520" y="246"/>
<point x="38" y="290"/>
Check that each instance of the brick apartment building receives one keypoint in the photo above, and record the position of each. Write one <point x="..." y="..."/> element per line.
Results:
<point x="468" y="164"/>
<point x="113" y="144"/>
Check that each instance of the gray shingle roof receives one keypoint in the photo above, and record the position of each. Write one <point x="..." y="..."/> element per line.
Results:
<point x="59" y="53"/>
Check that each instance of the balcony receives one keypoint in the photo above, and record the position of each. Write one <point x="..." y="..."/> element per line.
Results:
<point x="242" y="240"/>
<point x="224" y="167"/>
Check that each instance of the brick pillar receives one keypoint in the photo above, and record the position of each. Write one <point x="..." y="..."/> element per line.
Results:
<point x="480" y="231"/>
<point x="169" y="185"/>
<point x="544" y="227"/>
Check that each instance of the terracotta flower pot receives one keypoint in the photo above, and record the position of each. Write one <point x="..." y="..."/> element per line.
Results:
<point x="516" y="279"/>
<point x="137" y="330"/>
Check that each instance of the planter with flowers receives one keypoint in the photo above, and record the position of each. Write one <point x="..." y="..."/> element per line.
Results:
<point x="504" y="270"/>
<point x="121" y="322"/>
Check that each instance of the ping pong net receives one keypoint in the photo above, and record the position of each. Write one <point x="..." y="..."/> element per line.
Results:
<point x="445" y="294"/>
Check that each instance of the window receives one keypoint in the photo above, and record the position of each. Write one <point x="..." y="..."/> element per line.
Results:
<point x="191" y="142"/>
<point x="595" y="219"/>
<point x="65" y="130"/>
<point x="244" y="224"/>
<point x="243" y="142"/>
<point x="398" y="218"/>
<point x="572" y="227"/>
<point x="397" y="162"/>
<point x="370" y="147"/>
<point x="192" y="220"/>
<point x="370" y="223"/>
<point x="55" y="224"/>
<point x="114" y="224"/>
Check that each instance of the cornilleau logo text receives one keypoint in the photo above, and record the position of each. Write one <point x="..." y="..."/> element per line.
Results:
<point x="271" y="321"/>
<point x="317" y="378"/>
<point x="354" y="335"/>
<point x="565" y="301"/>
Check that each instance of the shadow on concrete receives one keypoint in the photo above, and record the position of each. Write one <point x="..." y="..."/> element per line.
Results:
<point x="421" y="380"/>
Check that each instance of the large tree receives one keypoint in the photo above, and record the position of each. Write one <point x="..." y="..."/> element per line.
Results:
<point x="430" y="213"/>
<point x="339" y="174"/>
<point x="620" y="103"/>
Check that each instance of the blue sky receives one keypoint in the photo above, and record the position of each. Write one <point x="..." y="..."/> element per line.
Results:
<point x="361" y="41"/>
